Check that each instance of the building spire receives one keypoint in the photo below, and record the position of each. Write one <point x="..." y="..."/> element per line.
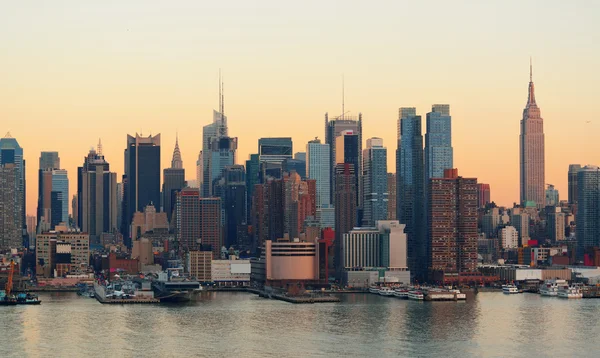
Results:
<point x="222" y="125"/>
<point x="343" y="96"/>
<point x="531" y="94"/>
<point x="530" y="70"/>
<point x="176" y="162"/>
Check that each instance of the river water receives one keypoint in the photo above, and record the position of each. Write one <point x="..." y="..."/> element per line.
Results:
<point x="238" y="324"/>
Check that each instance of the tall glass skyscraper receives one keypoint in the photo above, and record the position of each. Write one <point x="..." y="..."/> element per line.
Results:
<point x="375" y="186"/>
<point x="318" y="167"/>
<point x="588" y="209"/>
<point x="12" y="153"/>
<point x="60" y="197"/>
<point x="409" y="188"/>
<point x="572" y="182"/>
<point x="438" y="142"/>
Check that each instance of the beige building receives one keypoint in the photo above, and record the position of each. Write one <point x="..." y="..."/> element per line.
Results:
<point x="199" y="265"/>
<point x="231" y="272"/>
<point x="286" y="261"/>
<point x="46" y="250"/>
<point x="148" y="221"/>
<point x="142" y="250"/>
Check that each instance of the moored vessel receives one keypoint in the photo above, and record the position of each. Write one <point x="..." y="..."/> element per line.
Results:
<point x="510" y="289"/>
<point x="386" y="291"/>
<point x="415" y="295"/>
<point x="570" y="292"/>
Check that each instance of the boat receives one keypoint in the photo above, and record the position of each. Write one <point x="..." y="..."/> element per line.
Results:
<point x="401" y="293"/>
<point x="28" y="299"/>
<point x="386" y="291"/>
<point x="415" y="295"/>
<point x="374" y="289"/>
<point x="570" y="292"/>
<point x="510" y="289"/>
<point x="7" y="300"/>
<point x="551" y="287"/>
<point x="173" y="287"/>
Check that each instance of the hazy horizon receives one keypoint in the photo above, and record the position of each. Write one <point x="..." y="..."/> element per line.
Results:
<point x="75" y="72"/>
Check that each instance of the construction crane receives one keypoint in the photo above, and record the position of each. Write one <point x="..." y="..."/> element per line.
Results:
<point x="9" y="284"/>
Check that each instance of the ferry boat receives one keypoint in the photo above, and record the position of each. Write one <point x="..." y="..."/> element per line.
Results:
<point x="551" y="287"/>
<point x="401" y="293"/>
<point x="415" y="295"/>
<point x="386" y="291"/>
<point x="373" y="289"/>
<point x="510" y="289"/>
<point x="570" y="292"/>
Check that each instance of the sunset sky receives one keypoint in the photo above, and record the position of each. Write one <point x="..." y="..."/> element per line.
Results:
<point x="75" y="71"/>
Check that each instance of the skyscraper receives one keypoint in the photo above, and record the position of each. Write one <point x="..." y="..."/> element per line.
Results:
<point x="188" y="218"/>
<point x="252" y="179"/>
<point x="49" y="160"/>
<point x="173" y="180"/>
<point x="409" y="188"/>
<point x="59" y="198"/>
<point x="233" y="198"/>
<point x="438" y="142"/>
<point x="12" y="153"/>
<point x="345" y="208"/>
<point x="572" y="181"/>
<point x="211" y="230"/>
<point x="588" y="209"/>
<point x="452" y="223"/>
<point x="318" y="167"/>
<point x="141" y="179"/>
<point x="375" y="188"/>
<point x="348" y="151"/>
<point x="11" y="224"/>
<point x="531" y="151"/>
<point x="484" y="195"/>
<point x="334" y="128"/>
<point x="272" y="152"/>
<point x="98" y="191"/>
<point x="552" y="198"/>
<point x="391" y="188"/>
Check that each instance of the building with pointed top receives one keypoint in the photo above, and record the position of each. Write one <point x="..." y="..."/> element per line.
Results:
<point x="173" y="181"/>
<point x="531" y="151"/>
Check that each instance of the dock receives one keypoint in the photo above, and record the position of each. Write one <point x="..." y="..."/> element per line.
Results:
<point x="122" y="301"/>
<point x="310" y="299"/>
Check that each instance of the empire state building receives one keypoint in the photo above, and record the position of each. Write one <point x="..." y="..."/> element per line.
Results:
<point x="531" y="151"/>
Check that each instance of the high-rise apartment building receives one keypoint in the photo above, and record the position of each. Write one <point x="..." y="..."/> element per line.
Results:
<point x="333" y="129"/>
<point x="141" y="180"/>
<point x="572" y="182"/>
<point x="410" y="200"/>
<point x="187" y="206"/>
<point x="588" y="209"/>
<point x="11" y="225"/>
<point x="452" y="223"/>
<point x="318" y="168"/>
<point x="97" y="195"/>
<point x="173" y="181"/>
<point x="375" y="186"/>
<point x="531" y="151"/>
<point x="211" y="229"/>
<point x="510" y="237"/>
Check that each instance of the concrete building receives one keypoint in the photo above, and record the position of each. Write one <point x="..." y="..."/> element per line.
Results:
<point x="510" y="237"/>
<point x="572" y="182"/>
<point x="11" y="235"/>
<point x="452" y="222"/>
<point x="490" y="222"/>
<point x="334" y="129"/>
<point x="552" y="198"/>
<point x="380" y="246"/>
<point x="318" y="168"/>
<point x="46" y="250"/>
<point x="375" y="186"/>
<point x="531" y="149"/>
<point x="395" y="251"/>
<point x="141" y="181"/>
<point x="345" y="208"/>
<point x="520" y="220"/>
<point x="148" y="221"/>
<point x="231" y="273"/>
<point x="173" y="181"/>
<point x="188" y="218"/>
<point x="555" y="224"/>
<point x="286" y="262"/>
<point x="410" y="188"/>
<point x="142" y="251"/>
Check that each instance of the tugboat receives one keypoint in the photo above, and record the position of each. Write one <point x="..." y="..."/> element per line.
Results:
<point x="28" y="299"/>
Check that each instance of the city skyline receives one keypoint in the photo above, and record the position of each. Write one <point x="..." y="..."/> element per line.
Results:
<point x="165" y="87"/>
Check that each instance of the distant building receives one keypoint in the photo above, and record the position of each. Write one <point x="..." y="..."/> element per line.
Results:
<point x="484" y="195"/>
<point x="555" y="224"/>
<point x="318" y="168"/>
<point x="453" y="223"/>
<point x="375" y="186"/>
<point x="520" y="220"/>
<point x="272" y="152"/>
<point x="46" y="250"/>
<point x="12" y="153"/>
<point x="510" y="237"/>
<point x="381" y="246"/>
<point x="148" y="221"/>
<point x="345" y="208"/>
<point x="11" y="225"/>
<point x="552" y="198"/>
<point x="233" y="198"/>
<point x="231" y="273"/>
<point x="141" y="181"/>
<point x="572" y="182"/>
<point x="173" y="181"/>
<point x="490" y="222"/>
<point x="438" y="142"/>
<point x="199" y="265"/>
<point x="588" y="209"/>
<point x="348" y="146"/>
<point x="391" y="188"/>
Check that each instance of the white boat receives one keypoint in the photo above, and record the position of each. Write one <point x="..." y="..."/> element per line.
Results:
<point x="551" y="287"/>
<point x="415" y="295"/>
<point x="401" y="293"/>
<point x="386" y="291"/>
<point x="510" y="289"/>
<point x="569" y="292"/>
<point x="374" y="290"/>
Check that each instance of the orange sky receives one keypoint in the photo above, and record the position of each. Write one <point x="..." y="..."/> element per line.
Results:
<point x="73" y="72"/>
